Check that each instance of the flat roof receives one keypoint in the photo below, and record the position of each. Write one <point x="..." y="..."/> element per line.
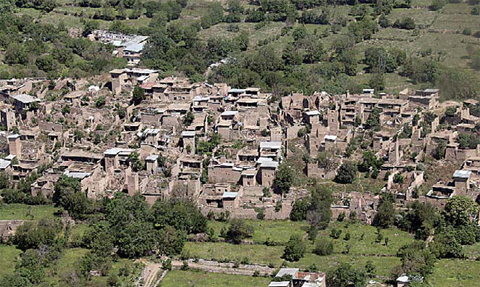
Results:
<point x="26" y="99"/>
<point x="462" y="173"/>
<point x="4" y="163"/>
<point x="287" y="271"/>
<point x="188" y="133"/>
<point x="271" y="145"/>
<point x="229" y="194"/>
<point x="229" y="113"/>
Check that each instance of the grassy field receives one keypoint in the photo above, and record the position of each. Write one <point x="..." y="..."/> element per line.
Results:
<point x="362" y="242"/>
<point x="179" y="278"/>
<point x="459" y="273"/>
<point x="8" y="259"/>
<point x="26" y="212"/>
<point x="278" y="231"/>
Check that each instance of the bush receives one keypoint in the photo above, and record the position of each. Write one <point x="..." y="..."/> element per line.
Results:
<point x="323" y="247"/>
<point x="346" y="173"/>
<point x="295" y="249"/>
<point x="467" y="31"/>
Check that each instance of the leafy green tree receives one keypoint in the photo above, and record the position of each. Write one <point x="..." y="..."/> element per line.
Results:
<point x="131" y="225"/>
<point x="319" y="213"/>
<point x="420" y="219"/>
<point x="171" y="241"/>
<point x="299" y="210"/>
<point x="31" y="235"/>
<point x="15" y="280"/>
<point x="416" y="258"/>
<point x="138" y="95"/>
<point x="238" y="230"/>
<point x="181" y="214"/>
<point x="346" y="173"/>
<point x="189" y="117"/>
<point x="345" y="276"/>
<point x="373" y="120"/>
<point x="135" y="161"/>
<point x="460" y="210"/>
<point x="385" y="215"/>
<point x="295" y="248"/>
<point x="283" y="178"/>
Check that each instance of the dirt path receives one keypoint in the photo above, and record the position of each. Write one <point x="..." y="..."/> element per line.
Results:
<point x="149" y="273"/>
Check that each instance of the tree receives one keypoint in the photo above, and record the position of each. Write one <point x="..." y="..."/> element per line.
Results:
<point x="460" y="210"/>
<point x="328" y="160"/>
<point x="182" y="214"/>
<point x="416" y="258"/>
<point x="345" y="276"/>
<point x="31" y="235"/>
<point x="346" y="173"/>
<point x="385" y="215"/>
<point x="131" y="225"/>
<point x="15" y="280"/>
<point x="373" y="120"/>
<point x="299" y="210"/>
<point x="446" y="245"/>
<point x="283" y="179"/>
<point x="238" y="230"/>
<point x="420" y="219"/>
<point x="189" y="117"/>
<point x="135" y="162"/>
<point x="377" y="81"/>
<point x="138" y="95"/>
<point x="319" y="213"/>
<point x="295" y="248"/>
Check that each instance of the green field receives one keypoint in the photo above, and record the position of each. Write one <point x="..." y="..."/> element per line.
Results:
<point x="362" y="250"/>
<point x="26" y="212"/>
<point x="8" y="255"/>
<point x="278" y="231"/>
<point x="179" y="278"/>
<point x="458" y="273"/>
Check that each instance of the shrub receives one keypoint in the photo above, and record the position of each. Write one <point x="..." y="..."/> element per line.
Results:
<point x="323" y="247"/>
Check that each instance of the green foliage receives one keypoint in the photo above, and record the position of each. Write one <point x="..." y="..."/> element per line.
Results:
<point x="189" y="117"/>
<point x="295" y="248"/>
<point x="319" y="213"/>
<point x="346" y="173"/>
<point x="138" y="95"/>
<point x="416" y="259"/>
<point x="323" y="247"/>
<point x="238" y="231"/>
<point x="68" y="194"/>
<point x="437" y="5"/>
<point x="135" y="162"/>
<point x="385" y="215"/>
<point x="468" y="140"/>
<point x="283" y="178"/>
<point x="299" y="210"/>
<point x="420" y="219"/>
<point x="181" y="214"/>
<point x="373" y="120"/>
<point x="32" y="235"/>
<point x="460" y="210"/>
<point x="345" y="275"/>
<point x="369" y="162"/>
<point x="406" y="23"/>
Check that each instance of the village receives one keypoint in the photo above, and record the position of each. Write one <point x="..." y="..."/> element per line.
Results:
<point x="221" y="147"/>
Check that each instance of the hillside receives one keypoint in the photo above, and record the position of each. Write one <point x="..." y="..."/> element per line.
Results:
<point x="316" y="45"/>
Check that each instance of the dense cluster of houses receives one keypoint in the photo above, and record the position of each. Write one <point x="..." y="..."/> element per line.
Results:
<point x="222" y="146"/>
